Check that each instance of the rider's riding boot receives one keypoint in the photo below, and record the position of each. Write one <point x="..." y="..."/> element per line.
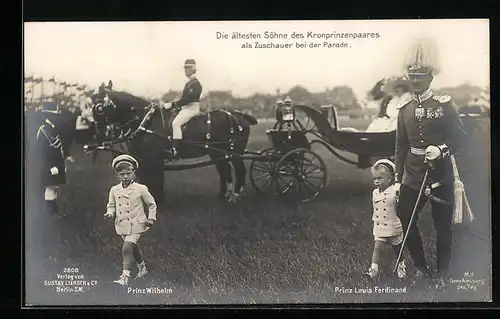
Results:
<point x="175" y="147"/>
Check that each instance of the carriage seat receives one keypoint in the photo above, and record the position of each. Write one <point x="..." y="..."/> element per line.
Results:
<point x="349" y="129"/>
<point x="355" y="130"/>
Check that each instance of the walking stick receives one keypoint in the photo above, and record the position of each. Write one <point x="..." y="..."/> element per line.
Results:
<point x="422" y="189"/>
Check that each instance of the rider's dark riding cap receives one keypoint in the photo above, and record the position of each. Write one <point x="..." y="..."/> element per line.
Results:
<point x="190" y="63"/>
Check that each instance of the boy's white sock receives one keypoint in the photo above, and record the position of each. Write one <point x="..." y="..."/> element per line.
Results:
<point x="126" y="273"/>
<point x="141" y="265"/>
<point x="374" y="266"/>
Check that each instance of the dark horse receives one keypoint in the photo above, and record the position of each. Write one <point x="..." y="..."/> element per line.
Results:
<point x="221" y="134"/>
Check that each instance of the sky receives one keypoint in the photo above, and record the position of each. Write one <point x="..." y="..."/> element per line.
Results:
<point x="147" y="58"/>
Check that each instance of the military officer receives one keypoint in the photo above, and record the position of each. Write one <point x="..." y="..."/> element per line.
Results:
<point x="50" y="153"/>
<point x="428" y="127"/>
<point x="189" y="103"/>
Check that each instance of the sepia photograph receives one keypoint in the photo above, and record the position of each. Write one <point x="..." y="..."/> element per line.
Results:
<point x="257" y="162"/>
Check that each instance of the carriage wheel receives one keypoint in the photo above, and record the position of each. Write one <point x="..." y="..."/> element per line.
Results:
<point x="300" y="173"/>
<point x="261" y="171"/>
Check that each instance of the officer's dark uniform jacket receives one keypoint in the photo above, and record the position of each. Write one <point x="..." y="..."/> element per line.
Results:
<point x="425" y="120"/>
<point x="191" y="93"/>
<point x="49" y="153"/>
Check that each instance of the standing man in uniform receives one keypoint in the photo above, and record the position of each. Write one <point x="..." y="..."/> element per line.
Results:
<point x="189" y="103"/>
<point x="428" y="128"/>
<point x="50" y="153"/>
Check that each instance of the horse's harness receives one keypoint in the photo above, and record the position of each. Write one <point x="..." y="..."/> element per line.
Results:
<point x="233" y="122"/>
<point x="107" y="102"/>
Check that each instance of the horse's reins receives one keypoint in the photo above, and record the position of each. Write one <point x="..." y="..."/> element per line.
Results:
<point x="232" y="120"/>
<point x="162" y="117"/>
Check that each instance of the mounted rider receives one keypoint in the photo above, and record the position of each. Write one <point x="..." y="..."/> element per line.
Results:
<point x="188" y="105"/>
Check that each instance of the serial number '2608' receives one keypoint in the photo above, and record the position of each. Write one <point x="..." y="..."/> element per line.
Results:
<point x="70" y="270"/>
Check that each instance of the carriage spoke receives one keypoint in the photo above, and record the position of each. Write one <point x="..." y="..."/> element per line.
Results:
<point x="263" y="169"/>
<point x="269" y="179"/>
<point x="261" y="172"/>
<point x="311" y="185"/>
<point x="315" y="170"/>
<point x="288" y="186"/>
<point x="264" y="175"/>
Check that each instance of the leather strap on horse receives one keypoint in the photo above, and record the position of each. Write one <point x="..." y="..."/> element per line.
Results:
<point x="233" y="120"/>
<point x="209" y="124"/>
<point x="162" y="117"/>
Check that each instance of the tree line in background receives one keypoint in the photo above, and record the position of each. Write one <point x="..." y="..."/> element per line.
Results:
<point x="67" y="95"/>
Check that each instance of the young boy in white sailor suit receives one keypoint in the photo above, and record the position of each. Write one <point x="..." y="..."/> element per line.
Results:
<point x="126" y="203"/>
<point x="387" y="227"/>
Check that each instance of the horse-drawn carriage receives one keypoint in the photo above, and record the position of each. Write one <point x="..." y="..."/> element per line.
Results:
<point x="288" y="167"/>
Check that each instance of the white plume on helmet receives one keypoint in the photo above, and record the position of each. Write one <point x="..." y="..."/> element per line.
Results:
<point x="422" y="54"/>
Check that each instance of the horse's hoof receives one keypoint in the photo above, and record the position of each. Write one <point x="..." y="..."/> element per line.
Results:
<point x="235" y="198"/>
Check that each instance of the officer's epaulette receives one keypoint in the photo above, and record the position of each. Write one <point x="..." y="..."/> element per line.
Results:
<point x="442" y="98"/>
<point x="405" y="99"/>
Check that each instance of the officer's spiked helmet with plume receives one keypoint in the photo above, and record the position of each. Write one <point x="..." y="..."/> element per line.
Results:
<point x="422" y="57"/>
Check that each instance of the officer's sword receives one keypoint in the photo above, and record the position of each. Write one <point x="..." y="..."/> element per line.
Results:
<point x="422" y="189"/>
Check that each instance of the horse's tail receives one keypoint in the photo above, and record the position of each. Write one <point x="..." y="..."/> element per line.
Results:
<point x="251" y="119"/>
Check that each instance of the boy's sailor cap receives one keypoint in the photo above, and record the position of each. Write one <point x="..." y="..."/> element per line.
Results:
<point x="387" y="163"/>
<point x="125" y="158"/>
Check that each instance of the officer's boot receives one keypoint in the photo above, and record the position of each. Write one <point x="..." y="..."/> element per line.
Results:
<point x="423" y="274"/>
<point x="175" y="148"/>
<point x="52" y="208"/>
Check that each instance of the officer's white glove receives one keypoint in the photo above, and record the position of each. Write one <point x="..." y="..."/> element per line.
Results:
<point x="397" y="190"/>
<point x="108" y="216"/>
<point x="432" y="153"/>
<point x="167" y="105"/>
<point x="54" y="171"/>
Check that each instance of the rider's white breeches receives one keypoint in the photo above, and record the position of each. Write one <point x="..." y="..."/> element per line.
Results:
<point x="51" y="192"/>
<point x="186" y="113"/>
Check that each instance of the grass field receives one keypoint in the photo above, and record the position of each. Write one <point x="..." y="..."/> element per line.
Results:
<point x="263" y="250"/>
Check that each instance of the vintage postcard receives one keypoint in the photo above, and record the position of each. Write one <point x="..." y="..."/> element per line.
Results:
<point x="257" y="162"/>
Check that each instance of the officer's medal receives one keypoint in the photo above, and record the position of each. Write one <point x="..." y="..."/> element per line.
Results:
<point x="419" y="113"/>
